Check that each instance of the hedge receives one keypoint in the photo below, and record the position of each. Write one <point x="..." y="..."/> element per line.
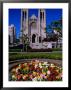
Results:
<point x="56" y="49"/>
<point x="14" y="50"/>
<point x="36" y="50"/>
<point x="40" y="50"/>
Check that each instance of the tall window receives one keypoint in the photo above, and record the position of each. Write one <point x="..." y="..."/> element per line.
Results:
<point x="33" y="38"/>
<point x="23" y="16"/>
<point x="43" y="15"/>
<point x="40" y="15"/>
<point x="39" y="39"/>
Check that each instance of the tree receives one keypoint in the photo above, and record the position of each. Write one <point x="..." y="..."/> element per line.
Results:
<point x="17" y="41"/>
<point x="52" y="37"/>
<point x="57" y="26"/>
<point x="25" y="42"/>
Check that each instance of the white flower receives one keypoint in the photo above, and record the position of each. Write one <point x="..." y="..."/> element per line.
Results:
<point x="17" y="70"/>
<point x="45" y="63"/>
<point x="52" y="65"/>
<point x="36" y="65"/>
<point x="13" y="76"/>
<point x="40" y="66"/>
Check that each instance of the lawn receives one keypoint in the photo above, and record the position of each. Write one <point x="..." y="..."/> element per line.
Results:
<point x="31" y="55"/>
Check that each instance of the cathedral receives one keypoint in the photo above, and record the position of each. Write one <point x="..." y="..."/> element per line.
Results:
<point x="35" y="29"/>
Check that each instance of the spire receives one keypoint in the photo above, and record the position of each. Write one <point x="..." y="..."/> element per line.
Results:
<point x="33" y="17"/>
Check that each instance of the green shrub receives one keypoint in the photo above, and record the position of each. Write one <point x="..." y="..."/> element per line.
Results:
<point x="56" y="49"/>
<point x="14" y="50"/>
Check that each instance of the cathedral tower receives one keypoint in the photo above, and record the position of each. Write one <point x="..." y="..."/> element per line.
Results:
<point x="24" y="23"/>
<point x="34" y="27"/>
<point x="42" y="22"/>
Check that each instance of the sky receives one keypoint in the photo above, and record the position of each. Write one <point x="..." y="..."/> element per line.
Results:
<point x="15" y="17"/>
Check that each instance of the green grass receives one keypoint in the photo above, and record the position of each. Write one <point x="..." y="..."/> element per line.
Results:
<point x="31" y="55"/>
<point x="56" y="49"/>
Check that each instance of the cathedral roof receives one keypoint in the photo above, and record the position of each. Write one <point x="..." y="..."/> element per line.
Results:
<point x="33" y="17"/>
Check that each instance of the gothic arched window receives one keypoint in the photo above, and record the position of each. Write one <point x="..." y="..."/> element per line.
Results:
<point x="33" y="38"/>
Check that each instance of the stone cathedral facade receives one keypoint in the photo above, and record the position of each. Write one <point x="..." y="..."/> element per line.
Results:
<point x="35" y="29"/>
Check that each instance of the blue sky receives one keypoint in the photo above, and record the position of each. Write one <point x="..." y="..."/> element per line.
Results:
<point x="15" y="17"/>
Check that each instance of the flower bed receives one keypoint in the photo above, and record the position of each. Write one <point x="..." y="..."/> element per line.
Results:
<point x="36" y="71"/>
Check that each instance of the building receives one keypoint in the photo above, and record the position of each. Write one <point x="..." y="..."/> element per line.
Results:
<point x="35" y="29"/>
<point x="12" y="34"/>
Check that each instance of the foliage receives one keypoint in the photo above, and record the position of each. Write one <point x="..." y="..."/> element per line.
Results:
<point x="40" y="50"/>
<point x="57" y="26"/>
<point x="56" y="49"/>
<point x="15" y="50"/>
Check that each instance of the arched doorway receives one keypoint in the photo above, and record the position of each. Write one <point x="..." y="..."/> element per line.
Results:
<point x="33" y="38"/>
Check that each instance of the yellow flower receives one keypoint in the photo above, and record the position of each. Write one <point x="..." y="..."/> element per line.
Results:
<point x="58" y="77"/>
<point x="37" y="74"/>
<point x="25" y="64"/>
<point x="27" y="68"/>
<point x="14" y="77"/>
<point x="13" y="70"/>
<point x="44" y="73"/>
<point x="34" y="73"/>
<point x="57" y="70"/>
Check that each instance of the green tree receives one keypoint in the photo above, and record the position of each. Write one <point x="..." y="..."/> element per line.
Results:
<point x="25" y="42"/>
<point x="57" y="26"/>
